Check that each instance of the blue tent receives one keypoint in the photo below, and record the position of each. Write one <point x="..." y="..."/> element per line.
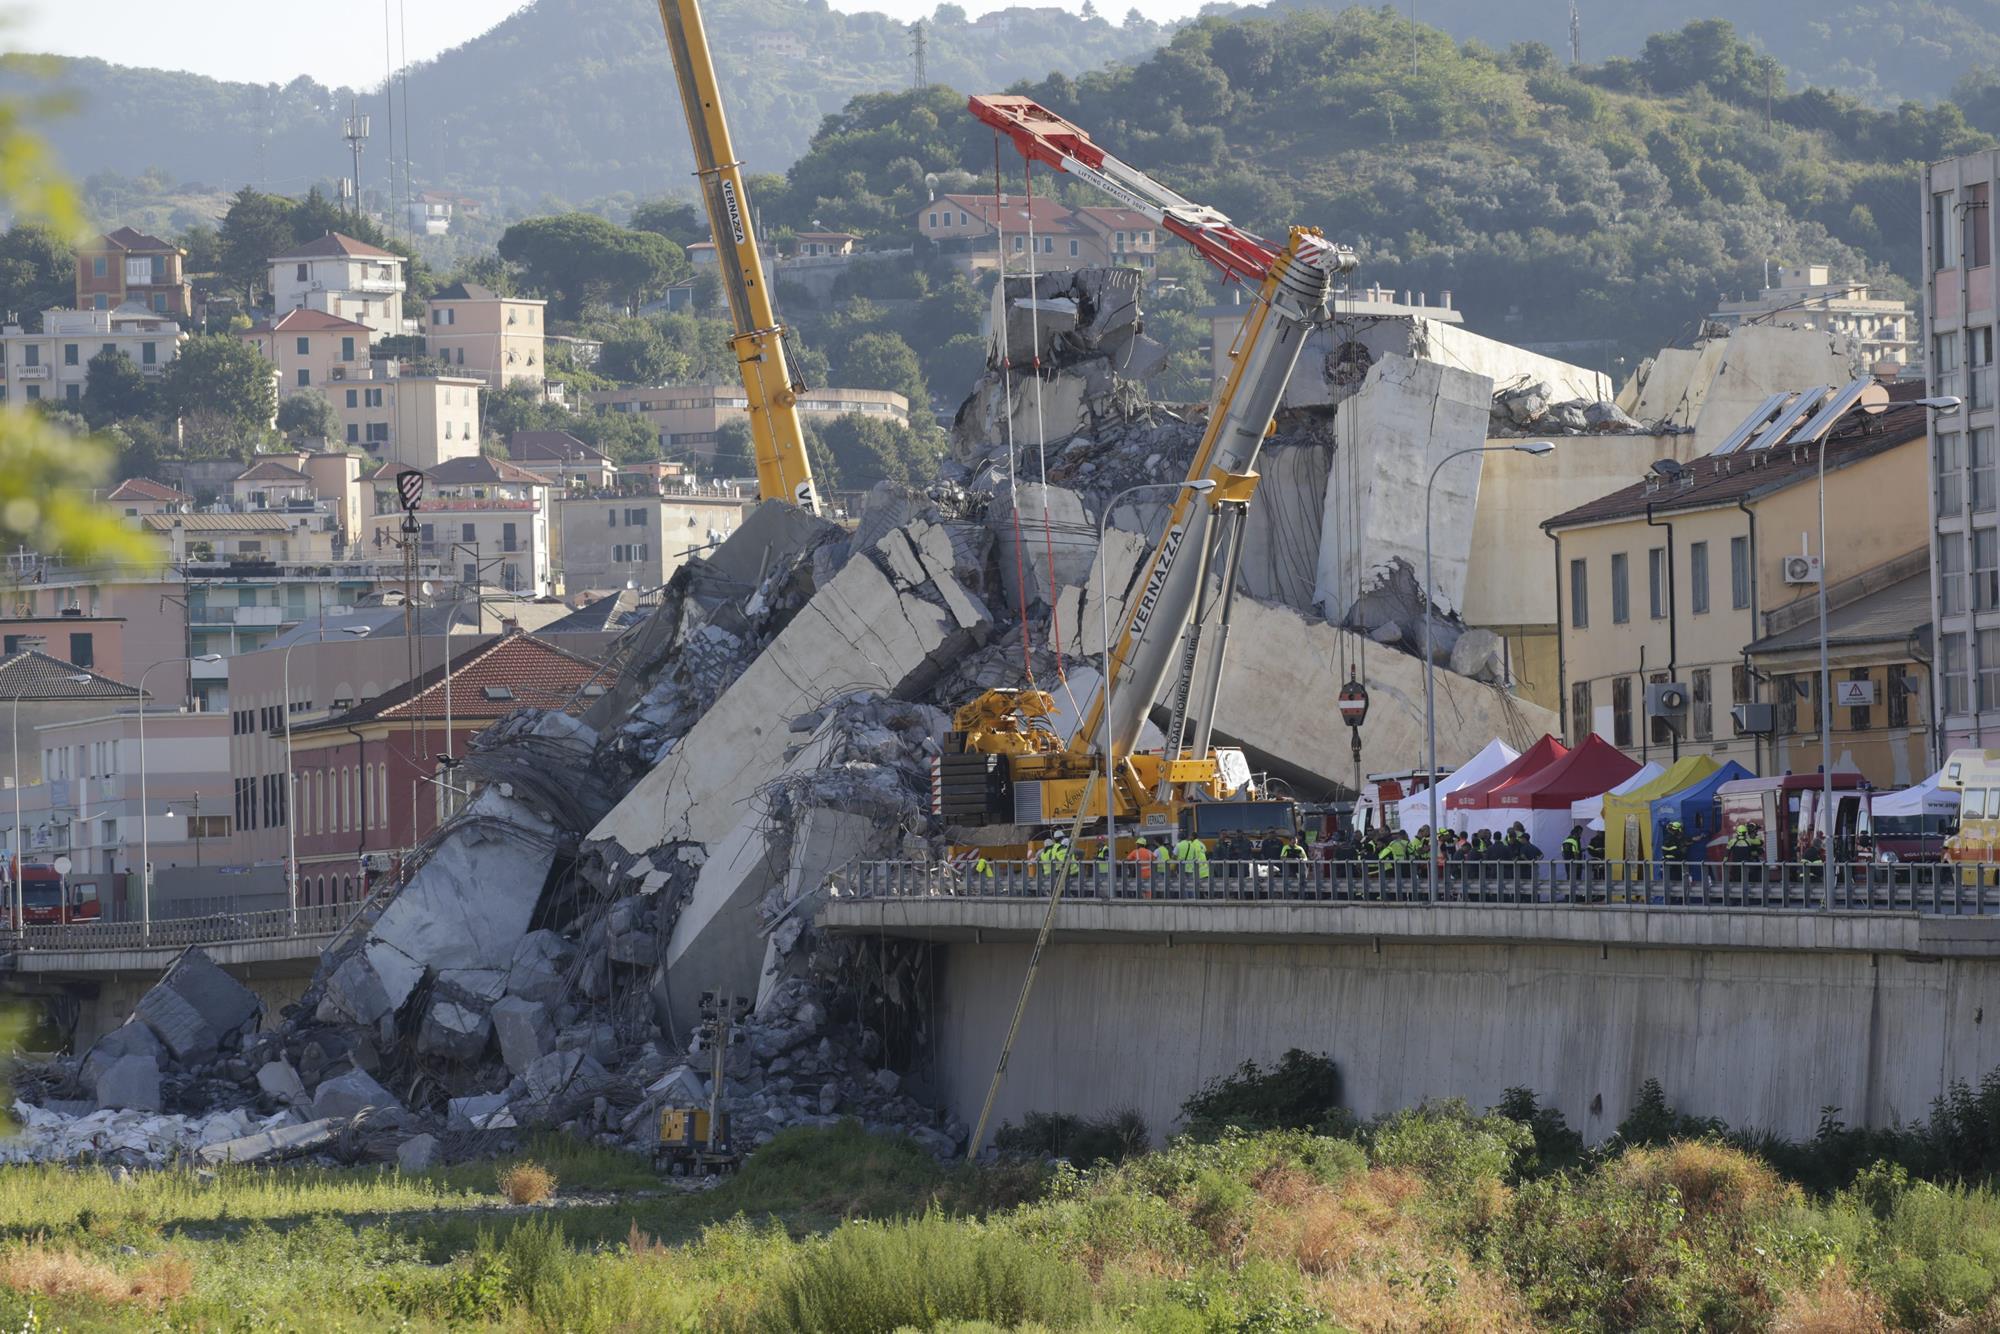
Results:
<point x="1694" y="807"/>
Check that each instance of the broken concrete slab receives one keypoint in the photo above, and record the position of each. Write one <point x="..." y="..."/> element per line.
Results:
<point x="715" y="945"/>
<point x="418" y="1153"/>
<point x="196" y="1009"/>
<point x="269" y="1143"/>
<point x="280" y="1081"/>
<point x="1273" y="702"/>
<point x="178" y="1025"/>
<point x="480" y="1111"/>
<point x="859" y="630"/>
<point x="484" y="985"/>
<point x="352" y="1094"/>
<point x="132" y="1038"/>
<point x="131" y="1082"/>
<point x="454" y="1031"/>
<point x="539" y="967"/>
<point x="1043" y="535"/>
<point x="469" y="905"/>
<point x="525" y="1031"/>
<point x="563" y="1073"/>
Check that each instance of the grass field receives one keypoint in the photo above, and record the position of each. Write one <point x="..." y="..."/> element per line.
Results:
<point x="1440" y="1219"/>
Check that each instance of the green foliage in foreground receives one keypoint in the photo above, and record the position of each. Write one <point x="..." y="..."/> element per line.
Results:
<point x="1441" y="1217"/>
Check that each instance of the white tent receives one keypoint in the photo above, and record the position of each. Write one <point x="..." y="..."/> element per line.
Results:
<point x="1926" y="798"/>
<point x="1590" y="811"/>
<point x="1414" y="811"/>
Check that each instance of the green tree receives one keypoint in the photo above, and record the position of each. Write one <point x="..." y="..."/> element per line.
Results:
<point x="868" y="449"/>
<point x="575" y="258"/>
<point x="678" y="220"/>
<point x="315" y="216"/>
<point x="257" y="228"/>
<point x="223" y="392"/>
<point x="307" y="415"/>
<point x="114" y="389"/>
<point x="203" y="244"/>
<point x="37" y="272"/>
<point x="640" y="356"/>
<point x="882" y="361"/>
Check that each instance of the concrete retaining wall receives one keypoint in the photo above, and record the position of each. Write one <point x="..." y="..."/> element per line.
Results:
<point x="1760" y="1038"/>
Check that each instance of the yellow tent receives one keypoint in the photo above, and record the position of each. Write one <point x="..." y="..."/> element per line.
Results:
<point x="1628" y="816"/>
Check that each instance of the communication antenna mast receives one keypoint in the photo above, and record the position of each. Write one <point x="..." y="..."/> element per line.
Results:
<point x="918" y="41"/>
<point x="354" y="129"/>
<point x="1575" y="35"/>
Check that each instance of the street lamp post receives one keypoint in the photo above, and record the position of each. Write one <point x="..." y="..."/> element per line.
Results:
<point x="1944" y="405"/>
<point x="1536" y="448"/>
<point x="14" y="874"/>
<point x="291" y="791"/>
<point x="1200" y="486"/>
<point x="145" y="828"/>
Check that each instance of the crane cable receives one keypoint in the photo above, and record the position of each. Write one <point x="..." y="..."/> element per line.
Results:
<point x="1042" y="442"/>
<point x="1007" y="409"/>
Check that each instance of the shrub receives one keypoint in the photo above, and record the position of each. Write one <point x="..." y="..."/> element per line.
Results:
<point x="526" y="1182"/>
<point x="1111" y="1138"/>
<point x="1556" y="1146"/>
<point x="1653" y="1120"/>
<point x="1300" y="1092"/>
<point x="1713" y="1183"/>
<point x="924" y="1272"/>
<point x="58" y="1272"/>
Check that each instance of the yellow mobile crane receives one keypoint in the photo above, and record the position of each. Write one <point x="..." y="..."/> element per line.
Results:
<point x="1013" y="774"/>
<point x="783" y="471"/>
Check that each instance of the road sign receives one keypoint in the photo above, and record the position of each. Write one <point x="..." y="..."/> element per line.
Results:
<point x="63" y="865"/>
<point x="1854" y="694"/>
<point x="410" y="486"/>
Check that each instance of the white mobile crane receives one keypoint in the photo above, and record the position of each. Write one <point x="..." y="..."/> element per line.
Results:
<point x="1012" y="770"/>
<point x="769" y="387"/>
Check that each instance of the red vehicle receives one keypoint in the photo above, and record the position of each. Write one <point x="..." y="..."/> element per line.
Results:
<point x="1788" y="810"/>
<point x="47" y="901"/>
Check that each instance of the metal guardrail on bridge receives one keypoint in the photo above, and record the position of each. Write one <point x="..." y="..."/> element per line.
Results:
<point x="1936" y="889"/>
<point x="180" y="932"/>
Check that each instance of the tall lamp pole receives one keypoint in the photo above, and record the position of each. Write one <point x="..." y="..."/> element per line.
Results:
<point x="145" y="827"/>
<point x="1200" y="486"/>
<point x="291" y="791"/>
<point x="20" y="851"/>
<point x="1943" y="405"/>
<point x="1536" y="448"/>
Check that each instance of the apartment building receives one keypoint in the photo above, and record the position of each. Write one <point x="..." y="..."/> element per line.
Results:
<point x="1692" y="575"/>
<point x="1961" y="298"/>
<point x="50" y="689"/>
<point x="129" y="267"/>
<point x="483" y="520"/>
<point x="338" y="275"/>
<point x="689" y="417"/>
<point x="981" y="227"/>
<point x="417" y="421"/>
<point x="54" y="365"/>
<point x="609" y="542"/>
<point x="136" y="496"/>
<point x="311" y="349"/>
<point x="478" y="332"/>
<point x="564" y="460"/>
<point x="1805" y="296"/>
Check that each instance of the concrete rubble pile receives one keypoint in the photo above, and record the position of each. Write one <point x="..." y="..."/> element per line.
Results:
<point x="1530" y="409"/>
<point x="548" y="955"/>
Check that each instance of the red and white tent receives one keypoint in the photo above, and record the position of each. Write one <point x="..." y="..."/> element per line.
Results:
<point x="1470" y="808"/>
<point x="1542" y="800"/>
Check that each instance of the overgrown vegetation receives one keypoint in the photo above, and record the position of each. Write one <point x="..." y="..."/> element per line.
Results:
<point x="1440" y="1217"/>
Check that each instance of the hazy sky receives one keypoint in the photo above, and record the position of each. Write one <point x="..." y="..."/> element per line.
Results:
<point x="335" y="41"/>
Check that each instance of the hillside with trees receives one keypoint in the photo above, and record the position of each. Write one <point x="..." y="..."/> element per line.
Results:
<point x="567" y="100"/>
<point x="1611" y="203"/>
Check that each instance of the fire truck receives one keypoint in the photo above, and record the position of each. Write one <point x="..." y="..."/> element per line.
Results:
<point x="49" y="900"/>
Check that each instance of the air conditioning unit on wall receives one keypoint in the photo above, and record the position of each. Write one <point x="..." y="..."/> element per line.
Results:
<point x="1802" y="569"/>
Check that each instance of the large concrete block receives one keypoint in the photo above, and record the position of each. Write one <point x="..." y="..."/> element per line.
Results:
<point x="1280" y="558"/>
<point x="716" y="943"/>
<point x="470" y="904"/>
<point x="525" y="1030"/>
<point x="225" y="1004"/>
<point x="265" y="1144"/>
<point x="280" y="1081"/>
<point x="350" y="1095"/>
<point x="563" y="1073"/>
<point x="132" y="1038"/>
<point x="857" y="631"/>
<point x="453" y="1031"/>
<point x="1056" y="543"/>
<point x="178" y="1025"/>
<point x="130" y="1083"/>
<point x="539" y="968"/>
<point x="481" y="1111"/>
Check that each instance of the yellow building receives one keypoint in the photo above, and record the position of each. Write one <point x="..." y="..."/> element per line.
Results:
<point x="1691" y="576"/>
<point x="311" y="349"/>
<point x="476" y="331"/>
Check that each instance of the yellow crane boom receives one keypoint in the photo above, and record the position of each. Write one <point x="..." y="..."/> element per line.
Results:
<point x="777" y="437"/>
